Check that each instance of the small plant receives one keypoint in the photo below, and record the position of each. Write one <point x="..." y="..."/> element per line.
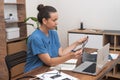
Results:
<point x="33" y="19"/>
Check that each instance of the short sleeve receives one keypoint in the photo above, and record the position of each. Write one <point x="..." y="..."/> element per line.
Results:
<point x="37" y="46"/>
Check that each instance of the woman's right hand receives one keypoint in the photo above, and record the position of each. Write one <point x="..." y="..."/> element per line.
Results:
<point x="82" y="40"/>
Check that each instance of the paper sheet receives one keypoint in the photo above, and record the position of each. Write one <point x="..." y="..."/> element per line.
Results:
<point x="72" y="61"/>
<point x="114" y="56"/>
<point x="68" y="66"/>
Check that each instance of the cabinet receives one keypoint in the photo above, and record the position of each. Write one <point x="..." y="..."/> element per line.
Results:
<point x="9" y="46"/>
<point x="113" y="37"/>
<point x="97" y="39"/>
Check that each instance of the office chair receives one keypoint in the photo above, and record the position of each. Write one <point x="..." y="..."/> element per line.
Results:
<point x="15" y="59"/>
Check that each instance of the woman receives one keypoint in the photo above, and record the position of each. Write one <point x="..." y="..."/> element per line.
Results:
<point x="43" y="45"/>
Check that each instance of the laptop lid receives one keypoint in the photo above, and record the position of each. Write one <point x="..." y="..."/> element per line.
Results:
<point x="102" y="57"/>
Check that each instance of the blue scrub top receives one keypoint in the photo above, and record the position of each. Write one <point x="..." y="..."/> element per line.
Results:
<point x="39" y="43"/>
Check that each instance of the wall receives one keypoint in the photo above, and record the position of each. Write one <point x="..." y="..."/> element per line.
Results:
<point x="98" y="14"/>
<point x="31" y="10"/>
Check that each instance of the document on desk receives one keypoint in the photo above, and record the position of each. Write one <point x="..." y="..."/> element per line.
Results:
<point x="114" y="55"/>
<point x="54" y="75"/>
<point x="68" y="65"/>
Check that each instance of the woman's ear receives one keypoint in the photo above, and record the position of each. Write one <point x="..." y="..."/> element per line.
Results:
<point x="44" y="21"/>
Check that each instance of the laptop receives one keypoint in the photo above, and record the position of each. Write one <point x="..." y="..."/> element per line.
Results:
<point x="93" y="68"/>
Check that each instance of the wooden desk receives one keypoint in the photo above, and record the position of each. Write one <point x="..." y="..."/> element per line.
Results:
<point x="108" y="67"/>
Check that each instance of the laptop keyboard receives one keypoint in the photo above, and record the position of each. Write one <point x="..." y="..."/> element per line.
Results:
<point x="91" y="68"/>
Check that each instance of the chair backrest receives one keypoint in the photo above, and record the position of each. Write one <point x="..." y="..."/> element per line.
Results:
<point x="15" y="59"/>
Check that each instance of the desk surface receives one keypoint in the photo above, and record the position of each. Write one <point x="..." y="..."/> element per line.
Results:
<point x="108" y="67"/>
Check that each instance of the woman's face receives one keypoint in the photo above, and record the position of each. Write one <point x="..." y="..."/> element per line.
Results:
<point x="51" y="23"/>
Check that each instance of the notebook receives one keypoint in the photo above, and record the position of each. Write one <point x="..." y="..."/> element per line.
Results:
<point x="93" y="68"/>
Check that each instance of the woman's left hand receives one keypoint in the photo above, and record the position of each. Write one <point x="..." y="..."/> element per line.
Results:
<point x="77" y="53"/>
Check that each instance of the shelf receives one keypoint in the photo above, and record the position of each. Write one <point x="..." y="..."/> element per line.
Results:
<point x="111" y="46"/>
<point x="115" y="72"/>
<point x="109" y="39"/>
<point x="110" y="74"/>
<point x="117" y="47"/>
<point x="13" y="3"/>
<point x="118" y="41"/>
<point x="13" y="22"/>
<point x="16" y="39"/>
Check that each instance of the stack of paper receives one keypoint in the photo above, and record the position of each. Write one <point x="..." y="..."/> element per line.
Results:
<point x="68" y="65"/>
<point x="53" y="75"/>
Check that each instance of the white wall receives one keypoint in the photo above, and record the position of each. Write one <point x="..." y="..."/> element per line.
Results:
<point x="31" y="10"/>
<point x="99" y="14"/>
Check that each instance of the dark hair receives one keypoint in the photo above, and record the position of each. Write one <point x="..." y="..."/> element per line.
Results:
<point x="44" y="12"/>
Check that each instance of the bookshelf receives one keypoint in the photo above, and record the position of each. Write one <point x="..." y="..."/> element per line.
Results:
<point x="10" y="46"/>
<point x="113" y="37"/>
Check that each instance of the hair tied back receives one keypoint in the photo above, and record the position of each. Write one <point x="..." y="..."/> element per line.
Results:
<point x="40" y="7"/>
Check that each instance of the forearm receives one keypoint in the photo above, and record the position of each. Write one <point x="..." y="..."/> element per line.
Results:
<point x="69" y="48"/>
<point x="59" y="60"/>
<point x="70" y="55"/>
<point x="74" y="45"/>
<point x="55" y="61"/>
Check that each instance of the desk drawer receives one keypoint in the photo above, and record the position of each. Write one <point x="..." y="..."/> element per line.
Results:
<point x="16" y="46"/>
